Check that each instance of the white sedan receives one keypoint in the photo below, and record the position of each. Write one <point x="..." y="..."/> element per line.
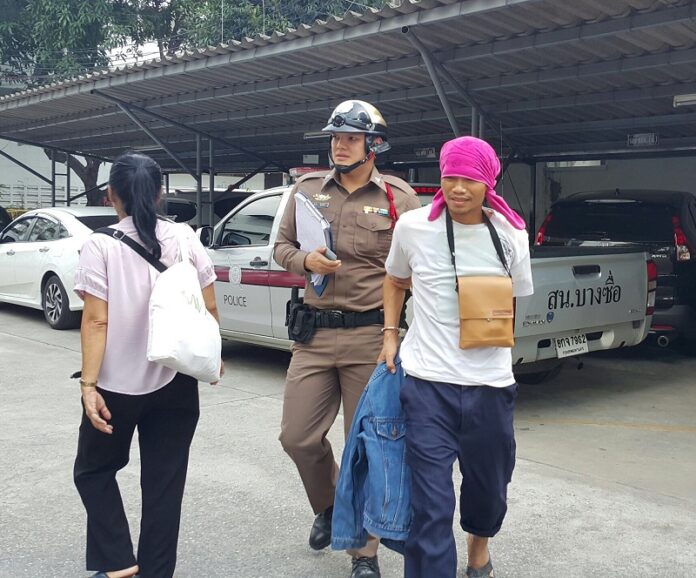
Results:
<point x="39" y="252"/>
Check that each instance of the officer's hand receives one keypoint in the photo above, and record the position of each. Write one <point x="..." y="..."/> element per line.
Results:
<point x="401" y="283"/>
<point x="316" y="262"/>
<point x="389" y="350"/>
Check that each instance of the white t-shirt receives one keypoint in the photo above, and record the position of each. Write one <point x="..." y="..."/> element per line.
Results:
<point x="419" y="250"/>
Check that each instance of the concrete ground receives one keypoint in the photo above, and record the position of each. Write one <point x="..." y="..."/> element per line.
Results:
<point x="605" y="484"/>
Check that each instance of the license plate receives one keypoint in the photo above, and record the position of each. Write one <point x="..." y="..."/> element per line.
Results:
<point x="571" y="345"/>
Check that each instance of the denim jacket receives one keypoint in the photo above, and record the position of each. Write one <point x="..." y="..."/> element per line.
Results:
<point x="373" y="493"/>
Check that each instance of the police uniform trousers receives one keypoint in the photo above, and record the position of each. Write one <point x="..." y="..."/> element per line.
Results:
<point x="166" y="420"/>
<point x="333" y="367"/>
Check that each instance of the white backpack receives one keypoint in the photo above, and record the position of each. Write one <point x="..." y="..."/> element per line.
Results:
<point x="182" y="335"/>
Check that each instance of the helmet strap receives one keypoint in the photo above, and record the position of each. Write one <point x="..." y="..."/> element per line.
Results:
<point x="343" y="169"/>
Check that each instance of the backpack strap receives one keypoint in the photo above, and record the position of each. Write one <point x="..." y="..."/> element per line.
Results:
<point x="137" y="247"/>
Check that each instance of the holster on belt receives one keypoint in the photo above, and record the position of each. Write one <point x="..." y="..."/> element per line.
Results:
<point x="300" y="319"/>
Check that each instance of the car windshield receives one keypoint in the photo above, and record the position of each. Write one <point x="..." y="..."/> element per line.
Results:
<point x="95" y="222"/>
<point x="627" y="222"/>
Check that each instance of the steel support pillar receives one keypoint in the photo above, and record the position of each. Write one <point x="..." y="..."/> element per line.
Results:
<point x="68" y="192"/>
<point x="432" y="71"/>
<point x="199" y="183"/>
<point x="53" y="178"/>
<point x="532" y="212"/>
<point x="474" y="121"/>
<point x="211" y="180"/>
<point x="481" y="125"/>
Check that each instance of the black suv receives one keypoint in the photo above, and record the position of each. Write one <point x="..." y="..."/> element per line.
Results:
<point x="663" y="223"/>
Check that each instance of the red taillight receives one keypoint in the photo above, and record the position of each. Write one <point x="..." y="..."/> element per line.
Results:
<point x="541" y="233"/>
<point x="680" y="242"/>
<point x="652" y="286"/>
<point x="222" y="273"/>
<point x="426" y="190"/>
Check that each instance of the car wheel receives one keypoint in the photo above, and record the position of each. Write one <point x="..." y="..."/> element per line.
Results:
<point x="56" y="306"/>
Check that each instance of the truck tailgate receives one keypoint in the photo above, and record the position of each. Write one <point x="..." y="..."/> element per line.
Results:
<point x="596" y="293"/>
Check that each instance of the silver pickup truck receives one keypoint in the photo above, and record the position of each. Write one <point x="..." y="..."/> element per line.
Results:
<point x="584" y="300"/>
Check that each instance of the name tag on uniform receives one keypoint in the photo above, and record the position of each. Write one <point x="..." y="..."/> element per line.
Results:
<point x="375" y="211"/>
<point x="321" y="205"/>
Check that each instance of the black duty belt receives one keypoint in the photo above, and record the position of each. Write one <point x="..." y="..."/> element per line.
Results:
<point x="332" y="319"/>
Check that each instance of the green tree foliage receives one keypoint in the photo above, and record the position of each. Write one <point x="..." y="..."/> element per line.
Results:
<point x="40" y="39"/>
<point x="47" y="40"/>
<point x="44" y="40"/>
<point x="220" y="21"/>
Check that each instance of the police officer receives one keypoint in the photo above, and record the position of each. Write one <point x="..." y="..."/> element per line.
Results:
<point x="362" y="206"/>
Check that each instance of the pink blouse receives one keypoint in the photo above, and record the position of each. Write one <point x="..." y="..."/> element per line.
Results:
<point x="112" y="271"/>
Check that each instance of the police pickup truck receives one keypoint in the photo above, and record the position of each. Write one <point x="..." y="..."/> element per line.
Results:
<point x="585" y="299"/>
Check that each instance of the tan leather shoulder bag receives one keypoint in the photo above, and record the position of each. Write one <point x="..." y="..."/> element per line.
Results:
<point x="486" y="314"/>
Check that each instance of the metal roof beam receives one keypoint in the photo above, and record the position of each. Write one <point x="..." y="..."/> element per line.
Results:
<point x="270" y="131"/>
<point x="167" y="121"/>
<point x="597" y="125"/>
<point x="157" y="140"/>
<point x="274" y="110"/>
<point x="432" y="68"/>
<point x="55" y="148"/>
<point x="27" y="168"/>
<point x="597" y="149"/>
<point x="594" y="98"/>
<point x="616" y="67"/>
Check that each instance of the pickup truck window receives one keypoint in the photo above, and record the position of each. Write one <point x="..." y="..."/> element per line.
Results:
<point x="631" y="222"/>
<point x="251" y="225"/>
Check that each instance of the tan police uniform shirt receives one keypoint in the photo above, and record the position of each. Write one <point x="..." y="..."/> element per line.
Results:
<point x="361" y="237"/>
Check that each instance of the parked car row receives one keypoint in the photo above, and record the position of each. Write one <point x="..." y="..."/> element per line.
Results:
<point x="39" y="251"/>
<point x="38" y="255"/>
<point x="586" y="299"/>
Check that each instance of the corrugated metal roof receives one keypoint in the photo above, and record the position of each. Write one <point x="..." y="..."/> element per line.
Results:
<point x="555" y="76"/>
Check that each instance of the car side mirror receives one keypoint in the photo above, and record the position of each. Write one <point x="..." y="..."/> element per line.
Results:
<point x="205" y="234"/>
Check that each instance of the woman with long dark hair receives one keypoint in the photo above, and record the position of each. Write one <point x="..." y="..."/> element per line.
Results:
<point x="122" y="390"/>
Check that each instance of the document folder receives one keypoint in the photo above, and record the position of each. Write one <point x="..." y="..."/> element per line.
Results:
<point x="313" y="232"/>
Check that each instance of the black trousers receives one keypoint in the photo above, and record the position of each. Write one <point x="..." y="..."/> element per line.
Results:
<point x="166" y="420"/>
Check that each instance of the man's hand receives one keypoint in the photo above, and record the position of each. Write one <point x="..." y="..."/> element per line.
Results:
<point x="400" y="283"/>
<point x="390" y="348"/>
<point x="96" y="410"/>
<point x="316" y="262"/>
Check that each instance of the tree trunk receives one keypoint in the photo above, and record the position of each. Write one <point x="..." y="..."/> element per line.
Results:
<point x="87" y="172"/>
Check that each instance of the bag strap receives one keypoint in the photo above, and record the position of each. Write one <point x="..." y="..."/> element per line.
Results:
<point x="137" y="247"/>
<point x="494" y="237"/>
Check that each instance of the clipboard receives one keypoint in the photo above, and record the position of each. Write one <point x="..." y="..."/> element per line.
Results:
<point x="313" y="232"/>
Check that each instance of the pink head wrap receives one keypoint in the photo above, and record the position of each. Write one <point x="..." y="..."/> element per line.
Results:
<point x="473" y="159"/>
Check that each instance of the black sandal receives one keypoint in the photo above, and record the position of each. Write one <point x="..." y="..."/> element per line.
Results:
<point x="484" y="572"/>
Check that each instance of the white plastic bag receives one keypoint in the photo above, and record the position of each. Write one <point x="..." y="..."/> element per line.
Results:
<point x="183" y="335"/>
